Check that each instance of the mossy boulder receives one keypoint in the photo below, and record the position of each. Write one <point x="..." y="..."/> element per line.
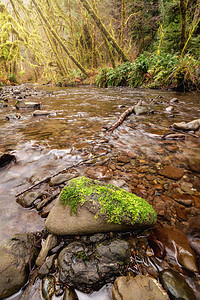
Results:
<point x="88" y="206"/>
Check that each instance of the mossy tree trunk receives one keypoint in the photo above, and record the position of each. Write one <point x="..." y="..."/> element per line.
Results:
<point x="57" y="37"/>
<point x="183" y="13"/>
<point x="103" y="30"/>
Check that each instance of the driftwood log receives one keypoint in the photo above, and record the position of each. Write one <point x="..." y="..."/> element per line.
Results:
<point x="123" y="116"/>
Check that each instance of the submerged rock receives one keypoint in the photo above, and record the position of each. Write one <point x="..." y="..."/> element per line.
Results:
<point x="87" y="206"/>
<point x="6" y="158"/>
<point x="84" y="267"/>
<point x="136" y="288"/>
<point x="48" y="287"/>
<point x="15" y="257"/>
<point x="171" y="172"/>
<point x="177" y="246"/>
<point x="176" y="286"/>
<point x="60" y="179"/>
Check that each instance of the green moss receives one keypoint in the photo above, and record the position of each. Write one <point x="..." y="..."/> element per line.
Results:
<point x="112" y="203"/>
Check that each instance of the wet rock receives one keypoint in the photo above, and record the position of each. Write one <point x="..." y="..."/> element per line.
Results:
<point x="176" y="286"/>
<point x="173" y="100"/>
<point x="139" y="287"/>
<point x="193" y="125"/>
<point x="194" y="227"/>
<point x="49" y="243"/>
<point x="15" y="257"/>
<point x="196" y="201"/>
<point x="169" y="109"/>
<point x="46" y="210"/>
<point x="186" y="200"/>
<point x="39" y="113"/>
<point x="48" y="287"/>
<point x="194" y="163"/>
<point x="157" y="246"/>
<point x="99" y="172"/>
<point x="6" y="158"/>
<point x="177" y="246"/>
<point x="187" y="187"/>
<point x="140" y="110"/>
<point x="97" y="212"/>
<point x="84" y="268"/>
<point x="182" y="213"/>
<point x="12" y="117"/>
<point x="27" y="199"/>
<point x="70" y="294"/>
<point x="171" y="172"/>
<point x="29" y="105"/>
<point x="45" y="268"/>
<point x="61" y="178"/>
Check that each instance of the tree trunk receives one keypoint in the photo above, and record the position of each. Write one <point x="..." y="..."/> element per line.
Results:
<point x="103" y="30"/>
<point x="183" y="12"/>
<point x="58" y="38"/>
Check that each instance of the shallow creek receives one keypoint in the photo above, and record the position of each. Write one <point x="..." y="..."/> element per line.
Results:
<point x="73" y="132"/>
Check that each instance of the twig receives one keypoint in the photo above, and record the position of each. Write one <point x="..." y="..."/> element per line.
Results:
<point x="125" y="114"/>
<point x="48" y="178"/>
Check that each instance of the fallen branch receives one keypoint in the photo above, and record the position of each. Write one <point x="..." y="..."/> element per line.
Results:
<point x="64" y="170"/>
<point x="125" y="114"/>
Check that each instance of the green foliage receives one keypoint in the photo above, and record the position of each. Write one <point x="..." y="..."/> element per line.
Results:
<point x="155" y="71"/>
<point x="116" y="205"/>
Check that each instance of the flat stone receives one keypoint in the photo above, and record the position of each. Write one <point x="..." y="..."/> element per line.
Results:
<point x="29" y="105"/>
<point x="59" y="179"/>
<point x="139" y="287"/>
<point x="49" y="243"/>
<point x="171" y="172"/>
<point x="194" y="164"/>
<point x="186" y="200"/>
<point x="91" y="218"/>
<point x="39" y="113"/>
<point x="27" y="199"/>
<point x="196" y="201"/>
<point x="99" y="172"/>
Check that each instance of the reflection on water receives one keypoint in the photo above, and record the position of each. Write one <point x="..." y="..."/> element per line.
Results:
<point x="46" y="145"/>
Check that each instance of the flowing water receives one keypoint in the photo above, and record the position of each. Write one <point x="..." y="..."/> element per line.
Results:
<point x="74" y="131"/>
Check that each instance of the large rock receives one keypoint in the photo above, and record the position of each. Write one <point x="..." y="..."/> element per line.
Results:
<point x="91" y="266"/>
<point x="90" y="206"/>
<point x="15" y="256"/>
<point x="138" y="288"/>
<point x="171" y="172"/>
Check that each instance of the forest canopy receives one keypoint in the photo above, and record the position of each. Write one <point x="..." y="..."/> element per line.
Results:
<point x="153" y="43"/>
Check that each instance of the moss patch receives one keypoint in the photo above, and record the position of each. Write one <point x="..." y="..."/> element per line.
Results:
<point x="112" y="203"/>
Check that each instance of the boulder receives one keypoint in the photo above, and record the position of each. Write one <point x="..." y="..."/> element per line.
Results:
<point x="87" y="267"/>
<point x="138" y="288"/>
<point x="15" y="256"/>
<point x="88" y="206"/>
<point x="6" y="158"/>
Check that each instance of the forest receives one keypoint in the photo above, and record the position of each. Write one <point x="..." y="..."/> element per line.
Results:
<point x="155" y="44"/>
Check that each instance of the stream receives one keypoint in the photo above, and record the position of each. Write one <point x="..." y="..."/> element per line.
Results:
<point x="74" y="131"/>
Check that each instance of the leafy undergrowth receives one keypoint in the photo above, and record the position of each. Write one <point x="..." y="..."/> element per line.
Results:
<point x="154" y="71"/>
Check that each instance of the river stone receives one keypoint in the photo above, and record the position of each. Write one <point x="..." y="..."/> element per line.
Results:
<point x="125" y="211"/>
<point x="70" y="294"/>
<point x="60" y="179"/>
<point x="177" y="246"/>
<point x="171" y="172"/>
<point x="86" y="267"/>
<point x="48" y="287"/>
<point x="138" y="288"/>
<point x="38" y="113"/>
<point x="193" y="125"/>
<point x="140" y="110"/>
<point x="49" y="244"/>
<point x="30" y="105"/>
<point x="27" y="199"/>
<point x="194" y="163"/>
<point x="15" y="257"/>
<point x="176" y="286"/>
<point x="6" y="158"/>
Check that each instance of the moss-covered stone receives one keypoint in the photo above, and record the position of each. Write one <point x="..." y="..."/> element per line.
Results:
<point x="113" y="204"/>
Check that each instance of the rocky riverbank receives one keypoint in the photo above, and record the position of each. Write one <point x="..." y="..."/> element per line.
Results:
<point x="163" y="258"/>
